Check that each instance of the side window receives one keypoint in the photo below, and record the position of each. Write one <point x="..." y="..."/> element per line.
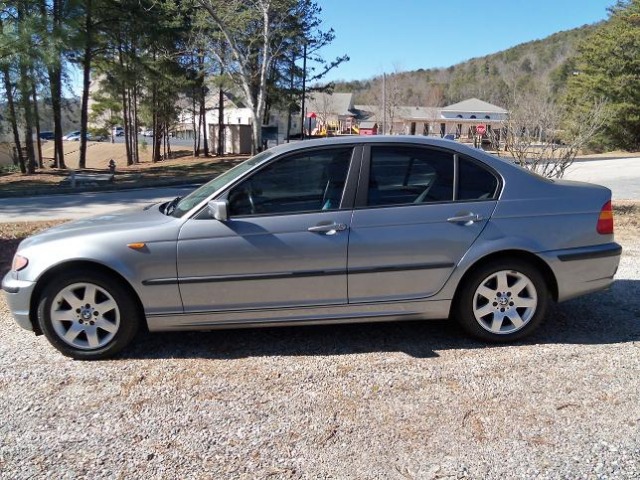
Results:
<point x="409" y="175"/>
<point x="475" y="182"/>
<point x="307" y="182"/>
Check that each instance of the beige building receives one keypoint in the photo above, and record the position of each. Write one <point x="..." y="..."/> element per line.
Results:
<point x="459" y="119"/>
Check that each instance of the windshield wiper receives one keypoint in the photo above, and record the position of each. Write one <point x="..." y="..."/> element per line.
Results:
<point x="171" y="206"/>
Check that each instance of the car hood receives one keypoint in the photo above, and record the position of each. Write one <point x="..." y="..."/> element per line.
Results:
<point x="127" y="220"/>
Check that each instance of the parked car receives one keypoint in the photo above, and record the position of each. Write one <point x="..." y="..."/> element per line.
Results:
<point x="118" y="131"/>
<point x="343" y="230"/>
<point x="146" y="132"/>
<point x="72" y="136"/>
<point x="90" y="137"/>
<point x="47" y="135"/>
<point x="96" y="137"/>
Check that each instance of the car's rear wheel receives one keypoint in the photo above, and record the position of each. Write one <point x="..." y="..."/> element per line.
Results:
<point x="502" y="301"/>
<point x="87" y="316"/>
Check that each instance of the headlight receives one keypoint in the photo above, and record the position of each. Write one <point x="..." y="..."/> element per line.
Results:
<point x="19" y="262"/>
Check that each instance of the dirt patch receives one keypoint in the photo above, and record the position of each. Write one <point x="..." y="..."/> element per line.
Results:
<point x="608" y="155"/>
<point x="626" y="218"/>
<point x="11" y="234"/>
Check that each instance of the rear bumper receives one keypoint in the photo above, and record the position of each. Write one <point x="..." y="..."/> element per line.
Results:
<point x="18" y="295"/>
<point x="583" y="270"/>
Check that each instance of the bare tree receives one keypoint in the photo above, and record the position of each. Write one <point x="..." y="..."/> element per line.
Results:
<point x="540" y="137"/>
<point x="393" y="94"/>
<point x="250" y="42"/>
<point x="320" y="103"/>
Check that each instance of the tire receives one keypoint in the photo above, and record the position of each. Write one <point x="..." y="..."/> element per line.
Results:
<point x="87" y="315"/>
<point x="502" y="301"/>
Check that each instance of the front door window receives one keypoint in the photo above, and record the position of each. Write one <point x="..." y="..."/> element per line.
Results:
<point x="302" y="183"/>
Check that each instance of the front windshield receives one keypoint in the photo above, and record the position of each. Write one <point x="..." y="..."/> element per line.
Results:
<point x="209" y="188"/>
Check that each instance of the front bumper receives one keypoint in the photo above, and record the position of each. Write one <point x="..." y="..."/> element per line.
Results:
<point x="583" y="270"/>
<point x="18" y="295"/>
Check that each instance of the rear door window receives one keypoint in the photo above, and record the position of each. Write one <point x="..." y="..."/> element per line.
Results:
<point x="409" y="175"/>
<point x="474" y="181"/>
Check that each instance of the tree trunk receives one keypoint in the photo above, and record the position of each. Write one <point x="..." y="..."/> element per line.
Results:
<point x="290" y="107"/>
<point x="203" y="107"/>
<point x="86" y="83"/>
<point x="54" y="71"/>
<point x="125" y="110"/>
<point x="203" y="121"/>
<point x="196" y="147"/>
<point x="125" y="121"/>
<point x="155" y="149"/>
<point x="133" y="112"/>
<point x="157" y="140"/>
<point x="221" y="121"/>
<point x="36" y="119"/>
<point x="12" y="116"/>
<point x="25" y="96"/>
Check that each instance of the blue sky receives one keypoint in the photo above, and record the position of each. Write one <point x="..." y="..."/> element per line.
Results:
<point x="410" y="34"/>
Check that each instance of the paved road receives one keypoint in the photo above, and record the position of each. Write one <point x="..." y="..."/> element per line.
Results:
<point x="621" y="175"/>
<point x="80" y="205"/>
<point x="186" y="142"/>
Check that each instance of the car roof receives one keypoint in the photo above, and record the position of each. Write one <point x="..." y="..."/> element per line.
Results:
<point x="383" y="139"/>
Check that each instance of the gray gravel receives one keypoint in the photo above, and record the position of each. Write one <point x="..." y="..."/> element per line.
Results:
<point x="410" y="400"/>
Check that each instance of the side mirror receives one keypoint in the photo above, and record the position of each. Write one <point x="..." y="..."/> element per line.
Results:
<point x="218" y="209"/>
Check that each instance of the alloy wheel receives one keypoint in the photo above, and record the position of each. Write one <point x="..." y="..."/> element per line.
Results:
<point x="505" y="302"/>
<point x="85" y="316"/>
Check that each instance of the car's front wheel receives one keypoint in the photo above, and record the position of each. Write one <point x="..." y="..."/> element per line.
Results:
<point x="87" y="316"/>
<point x="502" y="301"/>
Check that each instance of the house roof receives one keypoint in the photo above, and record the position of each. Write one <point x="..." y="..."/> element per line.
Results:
<point x="401" y="112"/>
<point x="368" y="125"/>
<point x="419" y="113"/>
<point x="474" y="105"/>
<point x="331" y="103"/>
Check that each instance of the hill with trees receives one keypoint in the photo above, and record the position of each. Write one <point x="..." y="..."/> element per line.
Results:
<point x="493" y="78"/>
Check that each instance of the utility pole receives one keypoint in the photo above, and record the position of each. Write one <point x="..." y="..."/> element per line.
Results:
<point x="384" y="103"/>
<point x="290" y="109"/>
<point x="304" y="89"/>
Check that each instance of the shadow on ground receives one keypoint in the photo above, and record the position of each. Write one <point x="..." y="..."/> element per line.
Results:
<point x="603" y="318"/>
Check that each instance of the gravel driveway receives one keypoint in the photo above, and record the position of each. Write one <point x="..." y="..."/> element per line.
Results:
<point x="404" y="400"/>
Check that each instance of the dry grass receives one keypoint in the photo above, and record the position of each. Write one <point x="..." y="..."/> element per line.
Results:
<point x="183" y="166"/>
<point x="11" y="234"/>
<point x="626" y="217"/>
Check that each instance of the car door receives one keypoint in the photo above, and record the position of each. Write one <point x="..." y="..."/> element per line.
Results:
<point x="284" y="243"/>
<point x="418" y="210"/>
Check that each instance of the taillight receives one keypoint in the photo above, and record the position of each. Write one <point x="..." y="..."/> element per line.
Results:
<point x="605" y="220"/>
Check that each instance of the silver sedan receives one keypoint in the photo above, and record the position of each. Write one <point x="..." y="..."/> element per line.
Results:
<point x="355" y="229"/>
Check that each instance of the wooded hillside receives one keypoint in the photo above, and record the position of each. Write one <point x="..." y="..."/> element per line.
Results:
<point x="492" y="78"/>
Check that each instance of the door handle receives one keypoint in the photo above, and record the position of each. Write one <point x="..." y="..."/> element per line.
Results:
<point x="466" y="219"/>
<point x="328" y="228"/>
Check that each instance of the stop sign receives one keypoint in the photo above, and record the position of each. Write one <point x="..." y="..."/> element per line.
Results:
<point x="481" y="129"/>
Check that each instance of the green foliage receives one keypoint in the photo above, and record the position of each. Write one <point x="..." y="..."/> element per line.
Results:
<point x="607" y="69"/>
<point x="9" y="169"/>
